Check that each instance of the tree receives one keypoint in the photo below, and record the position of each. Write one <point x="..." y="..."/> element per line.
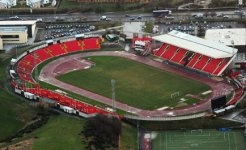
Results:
<point x="102" y="132"/>
<point x="148" y="27"/>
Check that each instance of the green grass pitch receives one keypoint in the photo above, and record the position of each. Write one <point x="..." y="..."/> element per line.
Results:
<point x="136" y="84"/>
<point x="199" y="140"/>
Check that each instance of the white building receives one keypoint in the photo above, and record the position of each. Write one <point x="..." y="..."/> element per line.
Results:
<point x="133" y="29"/>
<point x="233" y="37"/>
<point x="36" y="3"/>
<point x="229" y="36"/>
<point x="7" y="3"/>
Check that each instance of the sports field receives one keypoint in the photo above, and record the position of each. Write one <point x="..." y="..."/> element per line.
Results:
<point x="136" y="84"/>
<point x="199" y="140"/>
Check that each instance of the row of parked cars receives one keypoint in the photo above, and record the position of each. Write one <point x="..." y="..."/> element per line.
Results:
<point x="61" y="30"/>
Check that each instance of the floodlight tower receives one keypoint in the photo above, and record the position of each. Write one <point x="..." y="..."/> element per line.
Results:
<point x="35" y="69"/>
<point x="233" y="46"/>
<point x="113" y="94"/>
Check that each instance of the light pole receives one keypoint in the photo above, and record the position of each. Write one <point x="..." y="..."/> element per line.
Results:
<point x="232" y="42"/>
<point x="16" y="54"/>
<point x="113" y="94"/>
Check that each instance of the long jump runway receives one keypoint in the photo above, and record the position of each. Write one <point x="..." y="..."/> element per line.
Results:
<point x="70" y="63"/>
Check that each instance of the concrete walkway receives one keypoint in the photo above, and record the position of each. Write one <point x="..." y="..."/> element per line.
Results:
<point x="235" y="116"/>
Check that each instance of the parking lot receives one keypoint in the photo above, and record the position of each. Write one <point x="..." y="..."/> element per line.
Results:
<point x="52" y="31"/>
<point x="194" y="27"/>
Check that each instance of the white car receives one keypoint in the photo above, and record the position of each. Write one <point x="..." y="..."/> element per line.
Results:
<point x="103" y="18"/>
<point x="225" y="17"/>
<point x="39" y="19"/>
<point x="14" y="18"/>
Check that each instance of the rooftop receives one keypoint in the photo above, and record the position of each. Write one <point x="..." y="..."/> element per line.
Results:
<point x="229" y="36"/>
<point x="13" y="29"/>
<point x="17" y="22"/>
<point x="196" y="44"/>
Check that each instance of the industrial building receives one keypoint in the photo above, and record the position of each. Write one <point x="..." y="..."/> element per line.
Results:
<point x="16" y="31"/>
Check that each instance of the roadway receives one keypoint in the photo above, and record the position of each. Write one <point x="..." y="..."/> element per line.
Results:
<point x="113" y="16"/>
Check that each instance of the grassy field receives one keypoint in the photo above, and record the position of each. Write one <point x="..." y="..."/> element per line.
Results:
<point x="137" y="84"/>
<point x="63" y="133"/>
<point x="14" y="113"/>
<point x="60" y="132"/>
<point x="10" y="122"/>
<point x="199" y="140"/>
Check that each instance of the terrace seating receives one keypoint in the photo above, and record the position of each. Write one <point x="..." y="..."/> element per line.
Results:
<point x="211" y="66"/>
<point x="25" y="77"/>
<point x="201" y="62"/>
<point x="168" y="54"/>
<point x="72" y="46"/>
<point x="63" y="46"/>
<point x="56" y="50"/>
<point x="190" y="59"/>
<point x="161" y="50"/>
<point x="186" y="58"/>
<point x="179" y="55"/>
<point x="220" y="66"/>
<point x="42" y="55"/>
<point x="25" y="66"/>
<point x="29" y="61"/>
<point x="90" y="43"/>
<point x="193" y="60"/>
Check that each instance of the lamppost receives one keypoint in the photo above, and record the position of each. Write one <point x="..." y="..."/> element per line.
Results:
<point x="232" y="42"/>
<point x="113" y="94"/>
<point x="16" y="53"/>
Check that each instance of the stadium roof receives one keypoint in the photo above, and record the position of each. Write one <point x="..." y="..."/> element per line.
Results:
<point x="196" y="44"/>
<point x="227" y="36"/>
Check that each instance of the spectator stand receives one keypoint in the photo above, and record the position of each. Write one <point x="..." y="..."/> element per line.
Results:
<point x="195" y="53"/>
<point x="26" y="86"/>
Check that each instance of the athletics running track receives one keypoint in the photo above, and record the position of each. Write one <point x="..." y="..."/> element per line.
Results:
<point x="74" y="62"/>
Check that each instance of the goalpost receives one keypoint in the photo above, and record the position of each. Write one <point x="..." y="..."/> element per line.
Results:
<point x="197" y="131"/>
<point x="174" y="95"/>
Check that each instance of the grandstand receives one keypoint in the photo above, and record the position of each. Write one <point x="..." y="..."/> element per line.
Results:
<point x="32" y="58"/>
<point x="25" y="64"/>
<point x="195" y="53"/>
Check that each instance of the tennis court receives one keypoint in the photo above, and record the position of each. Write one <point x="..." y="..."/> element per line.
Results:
<point x="199" y="140"/>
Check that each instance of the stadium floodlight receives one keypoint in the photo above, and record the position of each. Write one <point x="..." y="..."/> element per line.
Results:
<point x="113" y="94"/>
<point x="232" y="42"/>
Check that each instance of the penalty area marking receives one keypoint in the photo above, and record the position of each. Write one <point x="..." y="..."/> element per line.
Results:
<point x="163" y="108"/>
<point x="206" y="92"/>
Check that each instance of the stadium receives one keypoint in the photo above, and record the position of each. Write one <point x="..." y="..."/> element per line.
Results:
<point x="184" y="77"/>
<point x="181" y="54"/>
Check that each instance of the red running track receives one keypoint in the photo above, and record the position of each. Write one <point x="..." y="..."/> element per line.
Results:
<point x="74" y="62"/>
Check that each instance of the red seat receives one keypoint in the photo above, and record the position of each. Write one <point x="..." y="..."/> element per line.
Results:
<point x="211" y="66"/>
<point x="168" y="54"/>
<point x="201" y="62"/>
<point x="72" y="46"/>
<point x="161" y="50"/>
<point x="56" y="50"/>
<point x="42" y="54"/>
<point x="221" y="66"/>
<point x="90" y="43"/>
<point x="193" y="60"/>
<point x="179" y="55"/>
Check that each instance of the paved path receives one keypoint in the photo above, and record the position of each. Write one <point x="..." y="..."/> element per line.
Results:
<point x="74" y="62"/>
